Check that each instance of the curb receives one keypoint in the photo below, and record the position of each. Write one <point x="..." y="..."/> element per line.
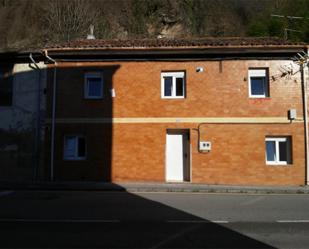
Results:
<point x="152" y="187"/>
<point x="219" y="190"/>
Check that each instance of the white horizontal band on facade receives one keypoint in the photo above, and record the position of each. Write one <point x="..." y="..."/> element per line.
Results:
<point x="229" y="120"/>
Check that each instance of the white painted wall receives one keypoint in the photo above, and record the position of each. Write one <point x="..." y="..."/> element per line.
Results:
<point x="21" y="115"/>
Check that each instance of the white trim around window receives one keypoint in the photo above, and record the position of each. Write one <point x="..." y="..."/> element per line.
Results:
<point x="74" y="147"/>
<point x="278" y="150"/>
<point x="173" y="85"/>
<point x="93" y="88"/>
<point x="260" y="75"/>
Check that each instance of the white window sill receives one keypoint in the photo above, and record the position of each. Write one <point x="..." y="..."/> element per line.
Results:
<point x="258" y="97"/>
<point x="277" y="163"/>
<point x="172" y="97"/>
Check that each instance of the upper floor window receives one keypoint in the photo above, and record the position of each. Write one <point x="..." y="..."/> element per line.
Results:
<point x="6" y="85"/>
<point x="173" y="85"/>
<point x="74" y="148"/>
<point x="278" y="150"/>
<point x="258" y="83"/>
<point x="93" y="85"/>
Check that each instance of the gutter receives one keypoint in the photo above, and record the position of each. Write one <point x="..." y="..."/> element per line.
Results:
<point x="167" y="54"/>
<point x="178" y="51"/>
<point x="85" y="47"/>
<point x="52" y="148"/>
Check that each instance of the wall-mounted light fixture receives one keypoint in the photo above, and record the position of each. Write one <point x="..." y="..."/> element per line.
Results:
<point x="199" y="69"/>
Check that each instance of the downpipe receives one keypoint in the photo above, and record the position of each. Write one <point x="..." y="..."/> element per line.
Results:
<point x="38" y="122"/>
<point x="52" y="146"/>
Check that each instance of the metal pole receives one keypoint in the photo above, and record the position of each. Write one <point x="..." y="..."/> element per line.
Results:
<point x="52" y="151"/>
<point x="38" y="121"/>
<point x="306" y="124"/>
<point x="304" y="89"/>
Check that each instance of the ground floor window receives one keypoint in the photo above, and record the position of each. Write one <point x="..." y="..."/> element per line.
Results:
<point x="74" y="148"/>
<point x="278" y="150"/>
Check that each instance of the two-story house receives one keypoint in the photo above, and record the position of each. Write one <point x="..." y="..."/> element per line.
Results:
<point x="213" y="110"/>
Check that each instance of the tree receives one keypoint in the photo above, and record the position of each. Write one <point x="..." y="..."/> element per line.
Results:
<point x="68" y="19"/>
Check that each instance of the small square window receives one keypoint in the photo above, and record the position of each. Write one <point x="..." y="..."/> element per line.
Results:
<point x="93" y="86"/>
<point x="258" y="83"/>
<point x="278" y="150"/>
<point x="74" y="148"/>
<point x="6" y="85"/>
<point x="173" y="85"/>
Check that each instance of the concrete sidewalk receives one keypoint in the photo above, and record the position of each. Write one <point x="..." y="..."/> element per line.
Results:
<point x="152" y="187"/>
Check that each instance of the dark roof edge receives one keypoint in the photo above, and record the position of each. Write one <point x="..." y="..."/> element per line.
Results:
<point x="20" y="56"/>
<point x="200" y="53"/>
<point x="222" y="50"/>
<point x="145" y="54"/>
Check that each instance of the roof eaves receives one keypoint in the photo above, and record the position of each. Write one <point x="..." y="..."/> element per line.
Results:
<point x="176" y="48"/>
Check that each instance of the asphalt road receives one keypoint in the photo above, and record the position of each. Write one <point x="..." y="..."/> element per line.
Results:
<point x="77" y="219"/>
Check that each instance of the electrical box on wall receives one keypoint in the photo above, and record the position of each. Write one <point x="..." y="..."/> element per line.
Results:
<point x="113" y="93"/>
<point x="205" y="146"/>
<point x="292" y="114"/>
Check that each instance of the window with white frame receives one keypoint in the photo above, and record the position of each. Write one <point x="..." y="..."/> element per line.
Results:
<point x="258" y="83"/>
<point x="173" y="85"/>
<point x="93" y="85"/>
<point x="74" y="148"/>
<point x="278" y="150"/>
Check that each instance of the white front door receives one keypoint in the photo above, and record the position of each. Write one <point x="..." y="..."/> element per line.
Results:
<point x="174" y="157"/>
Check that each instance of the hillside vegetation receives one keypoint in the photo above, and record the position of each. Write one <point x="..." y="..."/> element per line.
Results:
<point x="33" y="23"/>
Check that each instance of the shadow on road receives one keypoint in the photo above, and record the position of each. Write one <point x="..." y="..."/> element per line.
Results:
<point x="78" y="219"/>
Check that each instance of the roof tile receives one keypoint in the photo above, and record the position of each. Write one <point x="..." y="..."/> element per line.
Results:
<point x="173" y="43"/>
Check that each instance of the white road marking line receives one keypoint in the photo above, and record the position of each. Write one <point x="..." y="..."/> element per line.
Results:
<point x="219" y="221"/>
<point x="4" y="193"/>
<point x="293" y="221"/>
<point x="61" y="220"/>
<point x="175" y="236"/>
<point x="197" y="221"/>
<point x="252" y="201"/>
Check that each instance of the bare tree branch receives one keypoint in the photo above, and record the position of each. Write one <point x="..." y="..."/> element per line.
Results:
<point x="69" y="19"/>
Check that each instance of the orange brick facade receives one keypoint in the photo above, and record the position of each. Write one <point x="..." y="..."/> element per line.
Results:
<point x="134" y="148"/>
